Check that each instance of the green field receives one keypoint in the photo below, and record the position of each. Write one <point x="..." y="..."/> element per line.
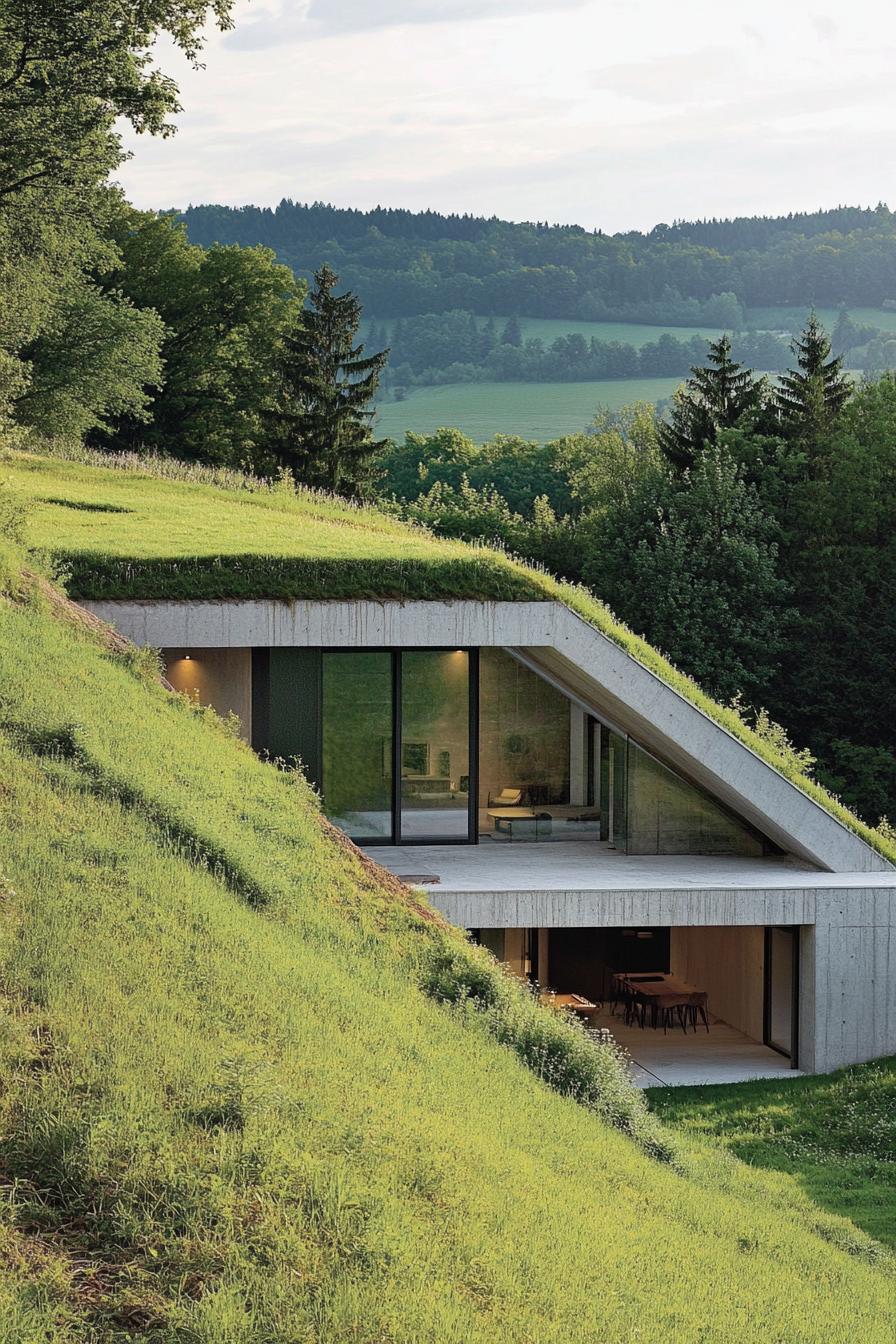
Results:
<point x="547" y="329"/>
<point x="251" y="1091"/>
<point x="540" y="411"/>
<point x="793" y="318"/>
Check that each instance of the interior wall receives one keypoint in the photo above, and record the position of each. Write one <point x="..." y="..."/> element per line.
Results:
<point x="524" y="734"/>
<point x="728" y="963"/>
<point x="515" y="942"/>
<point x="221" y="678"/>
<point x="582" y="960"/>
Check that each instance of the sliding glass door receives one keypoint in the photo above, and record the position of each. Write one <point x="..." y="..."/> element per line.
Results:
<point x="435" y="745"/>
<point x="782" y="990"/>
<point x="398" y="733"/>
<point x="357" y="752"/>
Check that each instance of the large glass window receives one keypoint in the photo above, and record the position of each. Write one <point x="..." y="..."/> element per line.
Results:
<point x="529" y="750"/>
<point x="781" y="971"/>
<point x="435" y="745"/>
<point x="614" y="788"/>
<point x="667" y="815"/>
<point x="357" y="743"/>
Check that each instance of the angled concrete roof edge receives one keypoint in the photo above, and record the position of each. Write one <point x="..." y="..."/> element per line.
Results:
<point x="840" y="849"/>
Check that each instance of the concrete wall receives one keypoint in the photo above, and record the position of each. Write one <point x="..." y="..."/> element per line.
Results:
<point x="586" y="664"/>
<point x="728" y="963"/>
<point x="848" y="981"/>
<point x="221" y="678"/>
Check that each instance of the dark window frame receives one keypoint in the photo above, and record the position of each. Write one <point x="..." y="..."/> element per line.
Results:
<point x="767" y="972"/>
<point x="394" y="838"/>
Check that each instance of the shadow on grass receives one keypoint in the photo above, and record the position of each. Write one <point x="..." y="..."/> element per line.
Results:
<point x="835" y="1134"/>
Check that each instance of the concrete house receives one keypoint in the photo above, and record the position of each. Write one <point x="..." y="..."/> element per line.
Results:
<point x="568" y="806"/>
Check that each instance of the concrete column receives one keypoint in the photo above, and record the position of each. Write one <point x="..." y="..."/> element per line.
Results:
<point x="809" y="1039"/>
<point x="578" y="754"/>
<point x="544" y="974"/>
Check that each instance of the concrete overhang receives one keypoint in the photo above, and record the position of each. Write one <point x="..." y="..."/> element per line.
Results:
<point x="585" y="663"/>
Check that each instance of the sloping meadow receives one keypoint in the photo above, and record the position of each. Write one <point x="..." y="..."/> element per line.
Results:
<point x="251" y="1092"/>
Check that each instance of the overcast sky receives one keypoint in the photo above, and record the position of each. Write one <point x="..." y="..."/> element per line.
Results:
<point x="608" y="113"/>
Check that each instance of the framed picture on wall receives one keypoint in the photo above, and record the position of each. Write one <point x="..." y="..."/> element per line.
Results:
<point x="415" y="758"/>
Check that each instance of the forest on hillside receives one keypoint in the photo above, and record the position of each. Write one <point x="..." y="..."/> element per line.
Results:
<point x="402" y="263"/>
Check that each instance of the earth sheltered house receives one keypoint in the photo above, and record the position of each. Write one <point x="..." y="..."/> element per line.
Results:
<point x="559" y="789"/>
<point x="561" y="801"/>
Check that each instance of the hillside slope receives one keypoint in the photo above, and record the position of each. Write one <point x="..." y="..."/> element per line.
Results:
<point x="234" y="1110"/>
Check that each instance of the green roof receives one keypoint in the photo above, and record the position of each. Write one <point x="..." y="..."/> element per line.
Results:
<point x="133" y="528"/>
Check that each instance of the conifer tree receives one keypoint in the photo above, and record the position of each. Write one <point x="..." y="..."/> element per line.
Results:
<point x="716" y="396"/>
<point x="326" y="386"/>
<point x="845" y="334"/>
<point x="488" y="338"/>
<point x="513" y="332"/>
<point x="811" y="396"/>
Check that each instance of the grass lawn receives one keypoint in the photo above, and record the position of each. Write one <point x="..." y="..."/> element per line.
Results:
<point x="835" y="1135"/>
<point x="539" y="411"/>
<point x="236" y="1107"/>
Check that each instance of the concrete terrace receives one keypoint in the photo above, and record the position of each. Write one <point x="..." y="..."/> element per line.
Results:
<point x="590" y="866"/>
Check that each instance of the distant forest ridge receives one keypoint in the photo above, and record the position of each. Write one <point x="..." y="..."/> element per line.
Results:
<point x="404" y="263"/>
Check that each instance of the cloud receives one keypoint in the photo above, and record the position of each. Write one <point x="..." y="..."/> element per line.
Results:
<point x="673" y="79"/>
<point x="325" y="18"/>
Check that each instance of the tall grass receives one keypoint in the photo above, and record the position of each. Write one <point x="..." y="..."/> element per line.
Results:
<point x="251" y="1092"/>
<point x="835" y="1133"/>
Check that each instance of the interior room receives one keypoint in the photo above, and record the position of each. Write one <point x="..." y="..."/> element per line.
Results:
<point x="688" y="1004"/>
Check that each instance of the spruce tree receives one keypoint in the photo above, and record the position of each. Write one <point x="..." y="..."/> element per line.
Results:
<point x="811" y="396"/>
<point x="512" y="333"/>
<point x="488" y="338"/>
<point x="716" y="396"/>
<point x="326" y="386"/>
<point x="845" y="334"/>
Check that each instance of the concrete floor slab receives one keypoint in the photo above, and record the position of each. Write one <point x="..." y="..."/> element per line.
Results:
<point x="588" y="865"/>
<point x="673" y="1059"/>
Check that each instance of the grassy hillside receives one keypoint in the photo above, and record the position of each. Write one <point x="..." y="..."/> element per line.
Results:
<point x="238" y="1107"/>
<point x="836" y="1134"/>
<point x="538" y="411"/>
<point x="142" y="528"/>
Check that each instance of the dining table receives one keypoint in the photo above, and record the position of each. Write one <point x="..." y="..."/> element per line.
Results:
<point x="576" y="1003"/>
<point x="658" y="992"/>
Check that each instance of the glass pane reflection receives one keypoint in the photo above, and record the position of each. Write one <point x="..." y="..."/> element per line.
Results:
<point x="435" y="745"/>
<point x="357" y="743"/>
